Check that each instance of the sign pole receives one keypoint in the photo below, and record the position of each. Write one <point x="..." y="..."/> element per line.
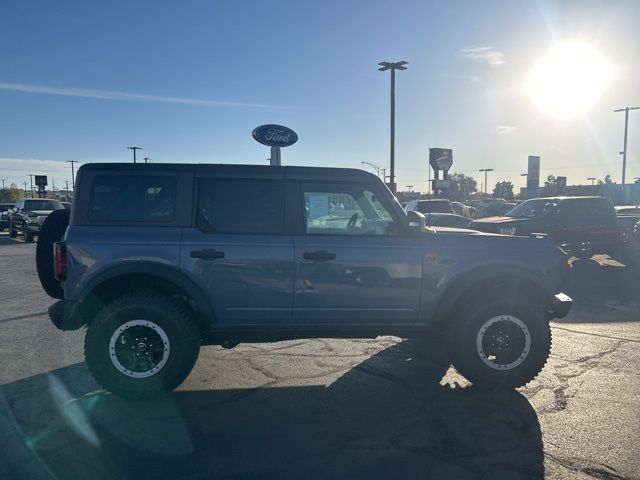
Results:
<point x="275" y="160"/>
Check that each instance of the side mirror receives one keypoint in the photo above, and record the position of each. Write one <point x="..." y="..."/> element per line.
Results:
<point x="416" y="221"/>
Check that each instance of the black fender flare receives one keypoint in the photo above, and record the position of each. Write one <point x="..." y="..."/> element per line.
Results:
<point x="460" y="284"/>
<point x="164" y="272"/>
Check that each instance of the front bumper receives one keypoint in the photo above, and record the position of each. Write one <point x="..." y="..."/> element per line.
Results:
<point x="64" y="315"/>
<point x="560" y="306"/>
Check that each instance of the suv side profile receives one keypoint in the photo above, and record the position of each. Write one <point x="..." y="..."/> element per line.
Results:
<point x="219" y="254"/>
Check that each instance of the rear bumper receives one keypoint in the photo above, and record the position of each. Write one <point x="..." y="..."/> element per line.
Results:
<point x="560" y="306"/>
<point x="64" y="315"/>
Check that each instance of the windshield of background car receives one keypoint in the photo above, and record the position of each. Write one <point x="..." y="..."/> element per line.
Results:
<point x="430" y="206"/>
<point x="42" y="205"/>
<point x="533" y="209"/>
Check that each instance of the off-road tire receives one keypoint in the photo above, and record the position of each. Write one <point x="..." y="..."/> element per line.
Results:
<point x="28" y="236"/>
<point x="466" y="358"/>
<point x="171" y="315"/>
<point x="51" y="231"/>
<point x="12" y="231"/>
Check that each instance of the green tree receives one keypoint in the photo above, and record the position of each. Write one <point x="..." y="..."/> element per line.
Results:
<point x="11" y="194"/>
<point x="461" y="186"/>
<point x="503" y="190"/>
<point x="551" y="186"/>
<point x="607" y="180"/>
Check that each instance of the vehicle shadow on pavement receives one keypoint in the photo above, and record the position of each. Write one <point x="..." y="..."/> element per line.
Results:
<point x="387" y="417"/>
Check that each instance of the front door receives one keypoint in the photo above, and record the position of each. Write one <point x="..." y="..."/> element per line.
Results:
<point x="239" y="251"/>
<point x="354" y="265"/>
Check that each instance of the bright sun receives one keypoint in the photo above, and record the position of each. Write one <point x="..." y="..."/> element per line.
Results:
<point x="569" y="79"/>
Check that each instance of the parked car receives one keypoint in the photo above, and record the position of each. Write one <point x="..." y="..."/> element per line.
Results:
<point x="187" y="266"/>
<point x="4" y="215"/>
<point x="461" y="209"/>
<point x="24" y="217"/>
<point x="447" y="220"/>
<point x="430" y="206"/>
<point x="582" y="226"/>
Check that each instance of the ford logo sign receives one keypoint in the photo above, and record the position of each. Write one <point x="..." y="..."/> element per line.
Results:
<point x="275" y="135"/>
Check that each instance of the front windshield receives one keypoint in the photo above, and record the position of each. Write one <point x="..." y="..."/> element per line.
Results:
<point x="42" y="205"/>
<point x="533" y="208"/>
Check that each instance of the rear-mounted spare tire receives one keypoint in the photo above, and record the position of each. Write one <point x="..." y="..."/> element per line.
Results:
<point x="52" y="231"/>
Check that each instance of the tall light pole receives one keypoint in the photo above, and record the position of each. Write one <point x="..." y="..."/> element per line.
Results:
<point x="3" y="180"/>
<point x="374" y="166"/>
<point x="393" y="66"/>
<point x="485" y="170"/>
<point x="409" y="187"/>
<point x="73" y="172"/>
<point x="134" y="152"/>
<point x="593" y="180"/>
<point x="626" y="128"/>
<point x="31" y="183"/>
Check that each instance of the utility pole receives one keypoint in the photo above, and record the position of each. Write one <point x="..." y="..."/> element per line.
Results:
<point x="67" y="182"/>
<point x="593" y="180"/>
<point x="146" y="159"/>
<point x="31" y="180"/>
<point x="3" y="180"/>
<point x="626" y="129"/>
<point x="73" y="174"/>
<point x="374" y="166"/>
<point x="409" y="187"/>
<point x="134" y="152"/>
<point x="393" y="66"/>
<point x="25" y="188"/>
<point x="384" y="174"/>
<point x="485" y="170"/>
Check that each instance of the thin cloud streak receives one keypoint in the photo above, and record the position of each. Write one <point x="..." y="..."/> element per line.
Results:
<point x="505" y="129"/>
<point x="484" y="54"/>
<point x="127" y="96"/>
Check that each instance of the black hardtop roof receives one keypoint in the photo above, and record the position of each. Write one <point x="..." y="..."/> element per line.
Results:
<point x="240" y="171"/>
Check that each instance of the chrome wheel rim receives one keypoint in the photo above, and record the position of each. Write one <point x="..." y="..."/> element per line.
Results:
<point x="503" y="342"/>
<point x="139" y="348"/>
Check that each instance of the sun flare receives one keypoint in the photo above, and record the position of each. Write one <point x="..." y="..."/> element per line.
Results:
<point x="569" y="79"/>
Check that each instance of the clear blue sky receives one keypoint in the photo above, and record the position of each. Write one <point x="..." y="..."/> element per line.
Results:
<point x="189" y="80"/>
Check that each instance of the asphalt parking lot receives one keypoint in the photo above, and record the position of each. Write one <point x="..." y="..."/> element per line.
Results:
<point x="324" y="408"/>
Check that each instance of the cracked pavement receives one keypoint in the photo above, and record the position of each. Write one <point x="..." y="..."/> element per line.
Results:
<point x="326" y="408"/>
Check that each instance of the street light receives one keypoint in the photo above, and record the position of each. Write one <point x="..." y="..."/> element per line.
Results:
<point x="374" y="166"/>
<point x="393" y="66"/>
<point x="626" y="128"/>
<point x="485" y="170"/>
<point x="593" y="180"/>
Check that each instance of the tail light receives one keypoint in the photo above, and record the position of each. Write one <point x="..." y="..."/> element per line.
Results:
<point x="60" y="260"/>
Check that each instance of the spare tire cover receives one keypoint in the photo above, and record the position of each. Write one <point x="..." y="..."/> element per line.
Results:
<point x="52" y="231"/>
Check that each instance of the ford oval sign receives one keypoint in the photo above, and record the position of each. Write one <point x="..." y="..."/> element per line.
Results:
<point x="275" y="135"/>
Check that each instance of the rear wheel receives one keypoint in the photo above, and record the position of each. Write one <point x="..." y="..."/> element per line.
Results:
<point x="501" y="345"/>
<point x="142" y="344"/>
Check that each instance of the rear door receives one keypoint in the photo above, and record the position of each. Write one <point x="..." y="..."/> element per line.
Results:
<point x="239" y="252"/>
<point x="354" y="265"/>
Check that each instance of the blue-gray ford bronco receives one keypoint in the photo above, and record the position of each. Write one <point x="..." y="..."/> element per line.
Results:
<point x="157" y="260"/>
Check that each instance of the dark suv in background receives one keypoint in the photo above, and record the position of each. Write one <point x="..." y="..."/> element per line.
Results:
<point x="229" y="253"/>
<point x="4" y="215"/>
<point x="582" y="226"/>
<point x="24" y="217"/>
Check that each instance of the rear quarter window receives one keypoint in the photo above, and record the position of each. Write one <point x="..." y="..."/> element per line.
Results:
<point x="128" y="199"/>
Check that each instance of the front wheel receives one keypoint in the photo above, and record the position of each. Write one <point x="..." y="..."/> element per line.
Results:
<point x="501" y="345"/>
<point x="28" y="236"/>
<point x="13" y="233"/>
<point x="142" y="344"/>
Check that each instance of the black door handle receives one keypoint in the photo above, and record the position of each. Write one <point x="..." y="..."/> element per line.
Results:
<point x="319" y="255"/>
<point x="207" y="254"/>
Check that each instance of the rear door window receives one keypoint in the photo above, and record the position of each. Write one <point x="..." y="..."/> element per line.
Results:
<point x="241" y="206"/>
<point x="128" y="199"/>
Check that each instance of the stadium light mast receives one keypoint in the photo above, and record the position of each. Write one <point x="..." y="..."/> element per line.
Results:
<point x="393" y="66"/>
